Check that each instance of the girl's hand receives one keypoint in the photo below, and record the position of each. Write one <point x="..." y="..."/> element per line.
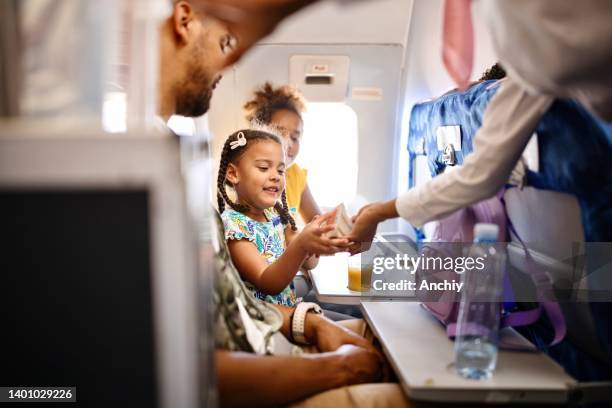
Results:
<point x="313" y="238"/>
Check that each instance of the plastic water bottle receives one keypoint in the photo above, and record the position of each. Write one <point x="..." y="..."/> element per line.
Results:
<point x="477" y="333"/>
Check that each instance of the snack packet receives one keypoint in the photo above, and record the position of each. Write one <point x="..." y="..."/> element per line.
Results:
<point x="343" y="223"/>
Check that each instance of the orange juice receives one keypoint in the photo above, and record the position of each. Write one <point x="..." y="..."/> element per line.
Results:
<point x="354" y="278"/>
<point x="359" y="276"/>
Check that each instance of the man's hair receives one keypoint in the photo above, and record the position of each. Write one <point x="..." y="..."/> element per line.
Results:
<point x="229" y="155"/>
<point x="495" y="72"/>
<point x="269" y="99"/>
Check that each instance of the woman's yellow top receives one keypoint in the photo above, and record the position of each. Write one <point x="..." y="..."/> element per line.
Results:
<point x="295" y="183"/>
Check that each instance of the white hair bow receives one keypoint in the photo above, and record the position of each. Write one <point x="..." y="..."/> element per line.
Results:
<point x="241" y="141"/>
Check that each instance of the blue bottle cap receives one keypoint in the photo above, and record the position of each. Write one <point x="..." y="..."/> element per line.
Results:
<point x="486" y="232"/>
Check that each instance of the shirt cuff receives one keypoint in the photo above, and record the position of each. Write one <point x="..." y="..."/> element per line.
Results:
<point x="408" y="207"/>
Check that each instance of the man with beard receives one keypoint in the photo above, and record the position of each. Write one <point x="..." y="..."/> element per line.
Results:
<point x="194" y="49"/>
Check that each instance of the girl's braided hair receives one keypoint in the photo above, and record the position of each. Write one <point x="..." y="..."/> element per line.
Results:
<point x="268" y="99"/>
<point x="229" y="155"/>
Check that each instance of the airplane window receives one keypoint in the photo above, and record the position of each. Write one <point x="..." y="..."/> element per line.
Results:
<point x="329" y="151"/>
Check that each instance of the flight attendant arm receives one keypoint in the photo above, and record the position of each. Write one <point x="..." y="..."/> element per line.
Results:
<point x="508" y="122"/>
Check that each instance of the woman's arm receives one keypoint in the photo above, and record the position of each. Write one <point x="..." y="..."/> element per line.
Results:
<point x="508" y="123"/>
<point x="308" y="206"/>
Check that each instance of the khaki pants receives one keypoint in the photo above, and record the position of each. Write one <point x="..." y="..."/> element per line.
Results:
<point x="363" y="395"/>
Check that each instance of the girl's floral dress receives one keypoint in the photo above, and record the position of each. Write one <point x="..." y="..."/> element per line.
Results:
<point x="269" y="238"/>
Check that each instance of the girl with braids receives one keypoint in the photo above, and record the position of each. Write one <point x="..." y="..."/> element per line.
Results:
<point x="261" y="235"/>
<point x="282" y="107"/>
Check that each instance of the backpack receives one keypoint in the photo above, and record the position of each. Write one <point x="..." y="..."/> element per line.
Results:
<point x="458" y="227"/>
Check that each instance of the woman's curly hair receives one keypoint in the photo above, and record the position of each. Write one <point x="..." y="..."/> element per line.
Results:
<point x="269" y="99"/>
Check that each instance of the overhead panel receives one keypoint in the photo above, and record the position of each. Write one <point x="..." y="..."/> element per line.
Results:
<point x="320" y="78"/>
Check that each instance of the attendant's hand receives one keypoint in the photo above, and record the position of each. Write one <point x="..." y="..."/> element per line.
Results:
<point x="249" y="20"/>
<point x="313" y="238"/>
<point x="366" y="222"/>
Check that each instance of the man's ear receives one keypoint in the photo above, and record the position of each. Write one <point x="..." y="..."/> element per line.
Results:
<point x="183" y="15"/>
<point x="231" y="174"/>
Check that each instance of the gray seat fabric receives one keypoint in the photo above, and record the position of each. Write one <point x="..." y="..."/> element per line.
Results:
<point x="549" y="223"/>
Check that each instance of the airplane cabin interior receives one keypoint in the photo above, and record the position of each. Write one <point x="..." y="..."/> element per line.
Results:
<point x="343" y="209"/>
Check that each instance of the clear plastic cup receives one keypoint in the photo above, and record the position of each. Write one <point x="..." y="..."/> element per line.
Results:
<point x="359" y="274"/>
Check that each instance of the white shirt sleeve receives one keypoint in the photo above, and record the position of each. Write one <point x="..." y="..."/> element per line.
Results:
<point x="508" y="122"/>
